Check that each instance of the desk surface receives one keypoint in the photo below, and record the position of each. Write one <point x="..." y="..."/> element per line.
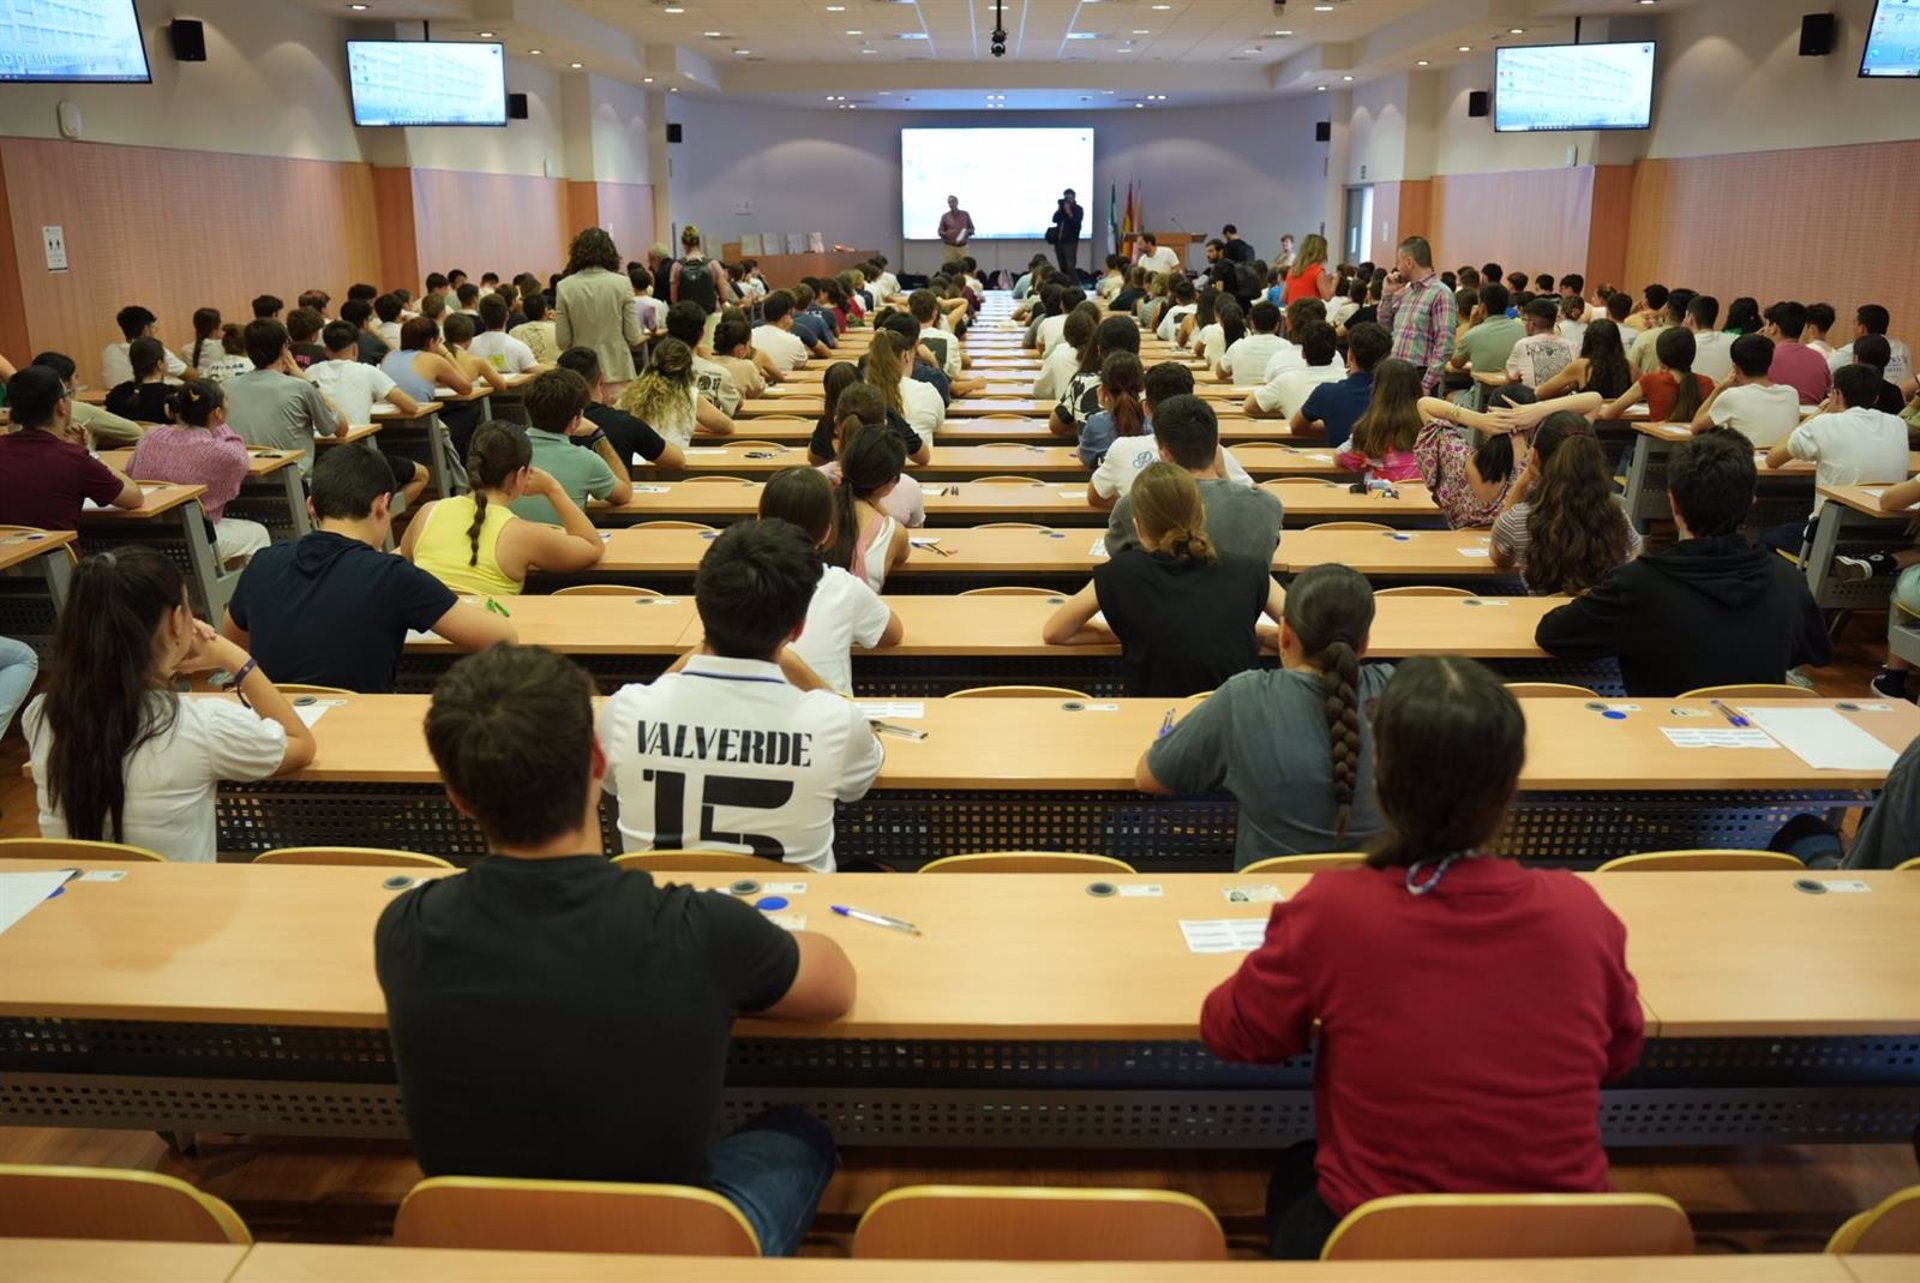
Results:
<point x="974" y="551"/>
<point x="732" y="459"/>
<point x="56" y="1260"/>
<point x="17" y="548"/>
<point x="1026" y="956"/>
<point x="260" y="463"/>
<point x="589" y="625"/>
<point x="1449" y="553"/>
<point x="160" y="500"/>
<point x="1866" y="501"/>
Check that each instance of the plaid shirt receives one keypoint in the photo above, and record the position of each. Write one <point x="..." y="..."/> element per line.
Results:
<point x="1421" y="319"/>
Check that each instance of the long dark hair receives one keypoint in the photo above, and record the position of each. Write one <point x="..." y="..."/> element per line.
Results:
<point x="1743" y="315"/>
<point x="804" y="497"/>
<point x="206" y="324"/>
<point x="869" y="459"/>
<point x="1124" y="380"/>
<point x="1392" y="418"/>
<point x="1607" y="370"/>
<point x="194" y="402"/>
<point x="593" y="247"/>
<point x="100" y="704"/>
<point x="1676" y="349"/>
<point x="1576" y="530"/>
<point x="1232" y="320"/>
<point x="497" y="451"/>
<point x="1330" y="609"/>
<point x="1449" y="742"/>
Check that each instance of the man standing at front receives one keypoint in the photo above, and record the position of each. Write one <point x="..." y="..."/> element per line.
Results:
<point x="956" y="225"/>
<point x="1419" y="312"/>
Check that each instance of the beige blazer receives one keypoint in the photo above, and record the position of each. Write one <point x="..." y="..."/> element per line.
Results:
<point x="594" y="309"/>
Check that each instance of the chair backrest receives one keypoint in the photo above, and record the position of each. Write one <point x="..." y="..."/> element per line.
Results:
<point x="1012" y="590"/>
<point x="1705" y="860"/>
<point x="1350" y="525"/>
<point x="1011" y="525"/>
<point x="73" y="849"/>
<point x="1424" y="590"/>
<point x="1028" y="862"/>
<point x="1507" y="1226"/>
<point x="1908" y="866"/>
<point x="1305" y="863"/>
<point x="1891" y="1228"/>
<point x="1238" y="446"/>
<point x="701" y="862"/>
<point x="1007" y="479"/>
<point x="1757" y="690"/>
<point x="299" y="688"/>
<point x="1018" y="692"/>
<point x="710" y="478"/>
<point x="667" y="523"/>
<point x="1275" y="483"/>
<point x="1550" y="690"/>
<point x="109" y="1203"/>
<point x="1010" y="1223"/>
<point x="755" y="445"/>
<point x="572" y="1216"/>
<point x="354" y="857"/>
<point x="618" y="590"/>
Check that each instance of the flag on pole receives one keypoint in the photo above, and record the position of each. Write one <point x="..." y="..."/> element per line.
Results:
<point x="1113" y="217"/>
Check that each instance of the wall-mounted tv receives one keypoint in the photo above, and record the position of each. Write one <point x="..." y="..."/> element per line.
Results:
<point x="1893" y="40"/>
<point x="1539" y="88"/>
<point x="72" y="42"/>
<point x="420" y="82"/>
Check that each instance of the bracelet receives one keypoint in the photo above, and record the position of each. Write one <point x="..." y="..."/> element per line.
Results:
<point x="246" y="670"/>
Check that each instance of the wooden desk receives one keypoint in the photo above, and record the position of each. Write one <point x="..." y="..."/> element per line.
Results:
<point x="1426" y="555"/>
<point x="72" y="1260"/>
<point x="739" y="457"/>
<point x="422" y="437"/>
<point x="1852" y="517"/>
<point x="363" y="431"/>
<point x="1784" y="493"/>
<point x="172" y="521"/>
<point x="31" y="615"/>
<point x="272" y="493"/>
<point x="1035" y="430"/>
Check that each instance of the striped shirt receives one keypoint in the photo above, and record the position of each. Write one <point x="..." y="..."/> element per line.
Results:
<point x="1421" y="319"/>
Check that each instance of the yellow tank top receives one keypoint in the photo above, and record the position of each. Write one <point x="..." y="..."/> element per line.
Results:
<point x="444" y="548"/>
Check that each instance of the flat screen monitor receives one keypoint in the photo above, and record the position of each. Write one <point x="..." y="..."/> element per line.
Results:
<point x="72" y="42"/>
<point x="1541" y="88"/>
<point x="420" y="82"/>
<point x="1008" y="180"/>
<point x="1893" y="40"/>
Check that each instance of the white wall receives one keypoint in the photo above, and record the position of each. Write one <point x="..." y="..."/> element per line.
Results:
<point x="536" y="145"/>
<point x="1377" y="131"/>
<point x="838" y="172"/>
<point x="1464" y="145"/>
<point x="619" y="131"/>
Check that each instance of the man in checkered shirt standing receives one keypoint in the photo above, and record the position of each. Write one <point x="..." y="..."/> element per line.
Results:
<point x="1419" y="311"/>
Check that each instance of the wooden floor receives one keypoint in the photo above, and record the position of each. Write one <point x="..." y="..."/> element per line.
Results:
<point x="1785" y="1199"/>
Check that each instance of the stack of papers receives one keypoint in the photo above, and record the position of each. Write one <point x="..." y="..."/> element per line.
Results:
<point x="1823" y="739"/>
<point x="1224" y="935"/>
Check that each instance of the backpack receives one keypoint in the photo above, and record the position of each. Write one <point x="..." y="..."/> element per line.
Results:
<point x="696" y="285"/>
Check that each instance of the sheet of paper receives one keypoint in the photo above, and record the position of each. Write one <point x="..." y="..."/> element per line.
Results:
<point x="1099" y="548"/>
<point x="705" y="449"/>
<point x="1074" y="496"/>
<point x="787" y="921"/>
<point x="22" y="893"/>
<point x="1264" y="893"/>
<point x="1144" y="891"/>
<point x="1319" y="458"/>
<point x="1476" y="552"/>
<point x="653" y="489"/>
<point x="311" y="713"/>
<point x="891" y="709"/>
<point x="1224" y="935"/>
<point x="414" y="635"/>
<point x="1723" y="737"/>
<point x="1823" y="739"/>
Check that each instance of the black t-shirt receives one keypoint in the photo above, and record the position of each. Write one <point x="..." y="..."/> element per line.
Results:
<point x="1125" y="299"/>
<point x="629" y="434"/>
<point x="821" y="443"/>
<point x="373" y="349"/>
<point x="141" y="402"/>
<point x="567" y="1020"/>
<point x="327" y="610"/>
<point x="305" y="355"/>
<point x="1184" y="626"/>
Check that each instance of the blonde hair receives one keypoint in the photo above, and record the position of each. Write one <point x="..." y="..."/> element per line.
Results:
<point x="886" y="367"/>
<point x="1170" y="512"/>
<point x="1312" y="250"/>
<point x="661" y="392"/>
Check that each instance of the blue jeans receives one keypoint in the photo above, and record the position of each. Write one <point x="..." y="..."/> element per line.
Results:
<point x="18" y="666"/>
<point x="774" y="1170"/>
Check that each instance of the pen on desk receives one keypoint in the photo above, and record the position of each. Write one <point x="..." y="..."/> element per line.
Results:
<point x="876" y="919"/>
<point x="1732" y="717"/>
<point x="1166" y="727"/>
<point x="498" y="609"/>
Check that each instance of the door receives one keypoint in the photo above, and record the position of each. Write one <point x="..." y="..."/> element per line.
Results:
<point x="1354" y="241"/>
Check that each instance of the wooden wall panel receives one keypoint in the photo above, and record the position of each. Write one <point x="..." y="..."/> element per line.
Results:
<point x="1831" y="224"/>
<point x="176" y="230"/>
<point x="399" y="249"/>
<point x="583" y="206"/>
<point x="1532" y="220"/>
<point x="1610" y="225"/>
<point x="14" y="342"/>
<point x="505" y="223"/>
<point x="628" y="209"/>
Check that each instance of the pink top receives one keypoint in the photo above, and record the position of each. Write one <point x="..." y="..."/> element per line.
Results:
<point x="1399" y="465"/>
<point x="212" y="457"/>
<point x="906" y="503"/>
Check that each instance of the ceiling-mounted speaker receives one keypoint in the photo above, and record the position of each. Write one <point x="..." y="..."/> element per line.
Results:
<point x="1479" y="104"/>
<point x="517" y="107"/>
<point x="1323" y="131"/>
<point x="674" y="132"/>
<point x="189" y="40"/>
<point x="1818" y="32"/>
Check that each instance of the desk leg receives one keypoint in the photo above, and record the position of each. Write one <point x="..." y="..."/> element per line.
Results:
<point x="1816" y="559"/>
<point x="439" y="457"/>
<point x="1644" y="504"/>
<point x="57" y="569"/>
<point x="296" y="501"/>
<point x="215" y="586"/>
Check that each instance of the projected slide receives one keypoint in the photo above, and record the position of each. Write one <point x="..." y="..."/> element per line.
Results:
<point x="71" y="40"/>
<point x="1008" y="179"/>
<point x="1551" y="87"/>
<point x="1893" y="42"/>
<point x="410" y="82"/>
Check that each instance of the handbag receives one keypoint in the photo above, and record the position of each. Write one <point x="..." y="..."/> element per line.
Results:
<point x="1053" y="234"/>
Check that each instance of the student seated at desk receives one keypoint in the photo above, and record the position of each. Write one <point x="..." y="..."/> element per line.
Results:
<point x="1715" y="609"/>
<point x="1762" y="411"/>
<point x="667" y="398"/>
<point x="1601" y="366"/>
<point x="135" y="322"/>
<point x="1381" y="447"/>
<point x="1245" y="359"/>
<point x="46" y="474"/>
<point x="457" y="333"/>
<point x="631" y="437"/>
<point x="1122" y="414"/>
<point x="733" y="353"/>
<point x="1854" y="446"/>
<point x="1292" y="744"/>
<point x="1468" y="482"/>
<point x="1060" y="365"/>
<point x="887" y="363"/>
<point x="355" y="386"/>
<point x="844" y="612"/>
<point x="687" y="322"/>
<point x="144" y="397"/>
<point x="569" y="448"/>
<point x="669" y="744"/>
<point x="333" y="608"/>
<point x="1334" y="407"/>
<point x="869" y="541"/>
<point x="118" y="754"/>
<point x="475" y="543"/>
<point x="1184" y="613"/>
<point x="536" y="332"/>
<point x="1080" y="400"/>
<point x="1561" y="528"/>
<point x="1673" y="393"/>
<point x="195" y="447"/>
<point x="1128" y="456"/>
<point x="505" y="353"/>
<point x="1466" y="1009"/>
<point x="105" y="431"/>
<point x="1285" y="394"/>
<point x="501" y="979"/>
<point x="273" y="406"/>
<point x="1241" y="518"/>
<point x="859" y="406"/>
<point x="217" y="350"/>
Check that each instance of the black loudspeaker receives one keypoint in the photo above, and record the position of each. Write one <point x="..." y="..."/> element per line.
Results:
<point x="517" y="107"/>
<point x="1479" y="104"/>
<point x="1323" y="131"/>
<point x="674" y="134"/>
<point x="189" y="39"/>
<point x="1817" y="34"/>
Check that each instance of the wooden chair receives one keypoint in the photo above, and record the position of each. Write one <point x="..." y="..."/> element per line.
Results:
<point x="1706" y="860"/>
<point x="1238" y="446"/>
<point x="1019" y="692"/>
<point x="74" y="849"/>
<point x="572" y="1216"/>
<point x="298" y="688"/>
<point x="1908" y="866"/>
<point x="356" y="857"/>
<point x="715" y="478"/>
<point x="615" y="590"/>
<point x="1011" y="525"/>
<point x="1550" y="690"/>
<point x="1030" y="862"/>
<point x="110" y="1203"/>
<point x="1275" y="483"/>
<point x="666" y="523"/>
<point x="1350" y="525"/>
<point x="701" y="862"/>
<point x="1304" y="863"/>
<point x="1011" y="1223"/>
<point x="1759" y="690"/>
<point x="1425" y="590"/>
<point x="1507" y="1226"/>
<point x="775" y="446"/>
<point x="1007" y="479"/>
<point x="1013" y="590"/>
<point x="1890" y="1228"/>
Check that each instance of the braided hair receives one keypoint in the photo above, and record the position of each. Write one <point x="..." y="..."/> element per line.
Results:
<point x="498" y="450"/>
<point x="1330" y="611"/>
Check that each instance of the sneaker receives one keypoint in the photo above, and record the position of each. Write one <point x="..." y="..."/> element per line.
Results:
<point x="1852" y="568"/>
<point x="1890" y="684"/>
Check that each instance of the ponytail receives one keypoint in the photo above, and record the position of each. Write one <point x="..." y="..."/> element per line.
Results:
<point x="193" y="403"/>
<point x="1124" y="380"/>
<point x="498" y="450"/>
<point x="1330" y="610"/>
<point x="885" y="368"/>
<point x="1172" y="515"/>
<point x="206" y="324"/>
<point x="1677" y="349"/>
<point x="1340" y="680"/>
<point x="870" y="459"/>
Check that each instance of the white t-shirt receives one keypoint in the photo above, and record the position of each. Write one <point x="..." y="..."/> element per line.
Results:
<point x="1055" y="370"/>
<point x="116" y="368"/>
<point x="1207" y="342"/>
<point x="677" y="422"/>
<point x="1857" y="447"/>
<point x="1339" y="309"/>
<point x="508" y="354"/>
<point x="1766" y="416"/>
<point x="1574" y="332"/>
<point x="1286" y="393"/>
<point x="1713" y="354"/>
<point x="1128" y="457"/>
<point x="844" y="613"/>
<point x="389" y="332"/>
<point x="354" y="387"/>
<point x="1052" y="332"/>
<point x="787" y="349"/>
<point x="716" y="383"/>
<point x="742" y="760"/>
<point x="1899" y="366"/>
<point x="1170" y="323"/>
<point x="1110" y="285"/>
<point x="1286" y="359"/>
<point x="925" y="411"/>
<point x="171" y="779"/>
<point x="1162" y="261"/>
<point x="1246" y="361"/>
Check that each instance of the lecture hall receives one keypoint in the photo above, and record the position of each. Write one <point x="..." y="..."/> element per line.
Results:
<point x="1370" y="549"/>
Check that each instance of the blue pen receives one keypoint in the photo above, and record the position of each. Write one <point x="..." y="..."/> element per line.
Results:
<point x="876" y="919"/>
<point x="1732" y="717"/>
<point x="1166" y="727"/>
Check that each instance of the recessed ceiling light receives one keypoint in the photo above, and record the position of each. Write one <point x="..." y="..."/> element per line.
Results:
<point x="646" y="80"/>
<point x="357" y="8"/>
<point x="536" y="51"/>
<point x="674" y="8"/>
<point x="1466" y="48"/>
<point x="576" y="65"/>
<point x="1516" y="31"/>
<point x="743" y="51"/>
<point x="1139" y="105"/>
<point x="1423" y="63"/>
<point x="1346" y="78"/>
<point x="486" y="35"/>
<point x="866" y="51"/>
<point x="1161" y="8"/>
<point x="1323" y="7"/>
<point x="1279" y="33"/>
<point x="674" y="89"/>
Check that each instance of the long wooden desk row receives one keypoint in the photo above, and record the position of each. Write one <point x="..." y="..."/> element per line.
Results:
<point x="90" y="1261"/>
<point x="747" y="455"/>
<point x="1594" y="786"/>
<point x="791" y="428"/>
<point x="1032" y="1009"/>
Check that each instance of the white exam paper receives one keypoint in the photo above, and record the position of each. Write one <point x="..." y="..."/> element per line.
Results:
<point x="886" y="710"/>
<point x="1823" y="739"/>
<point x="22" y="893"/>
<point x="1224" y="935"/>
<point x="1727" y="737"/>
<point x="1099" y="548"/>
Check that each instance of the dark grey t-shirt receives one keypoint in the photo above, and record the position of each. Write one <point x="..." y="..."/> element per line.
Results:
<point x="1240" y="519"/>
<point x="1263" y="738"/>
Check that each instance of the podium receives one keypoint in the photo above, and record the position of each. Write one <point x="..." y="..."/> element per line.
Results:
<point x="1178" y="242"/>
